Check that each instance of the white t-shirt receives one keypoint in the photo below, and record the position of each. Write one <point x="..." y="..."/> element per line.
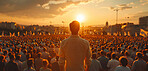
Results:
<point x="112" y="64"/>
<point x="122" y="68"/>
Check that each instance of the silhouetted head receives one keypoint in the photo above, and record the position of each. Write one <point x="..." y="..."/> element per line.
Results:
<point x="2" y="57"/>
<point x="94" y="56"/>
<point x="139" y="54"/>
<point x="74" y="27"/>
<point x="12" y="57"/>
<point x="113" y="55"/>
<point x="102" y="53"/>
<point x="18" y="57"/>
<point x="123" y="61"/>
<point x="39" y="55"/>
<point x="30" y="62"/>
<point x="127" y="53"/>
<point x="45" y="62"/>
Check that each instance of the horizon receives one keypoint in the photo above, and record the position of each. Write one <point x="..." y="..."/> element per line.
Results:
<point x="62" y="12"/>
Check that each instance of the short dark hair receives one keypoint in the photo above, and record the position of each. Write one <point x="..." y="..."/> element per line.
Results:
<point x="74" y="26"/>
<point x="44" y="49"/>
<point x="127" y="53"/>
<point x="45" y="62"/>
<point x="28" y="56"/>
<point x="123" y="60"/>
<point x="144" y="52"/>
<point x="18" y="57"/>
<point x="94" y="56"/>
<point x="139" y="54"/>
<point x="12" y="57"/>
<point x="30" y="62"/>
<point x="102" y="52"/>
<point x="2" y="57"/>
<point x="39" y="54"/>
<point x="113" y="55"/>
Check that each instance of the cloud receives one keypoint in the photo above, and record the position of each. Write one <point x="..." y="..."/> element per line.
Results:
<point x="140" y="14"/>
<point x="124" y="6"/>
<point x="143" y="2"/>
<point x="36" y="8"/>
<point x="121" y="7"/>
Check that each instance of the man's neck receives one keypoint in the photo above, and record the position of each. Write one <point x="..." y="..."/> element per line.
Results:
<point x="74" y="33"/>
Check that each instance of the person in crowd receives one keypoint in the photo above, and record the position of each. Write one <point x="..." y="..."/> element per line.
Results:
<point x="103" y="60"/>
<point x="11" y="65"/>
<point x="54" y="62"/>
<point x="95" y="64"/>
<point x="33" y="44"/>
<point x="24" y="64"/>
<point x="133" y="54"/>
<point x="123" y="65"/>
<point x="2" y="63"/>
<point x="45" y="54"/>
<point x="144" y="57"/>
<point x="74" y="50"/>
<point x="19" y="63"/>
<point x="38" y="62"/>
<point x="45" y="66"/>
<point x="30" y="63"/>
<point x="130" y="60"/>
<point x="1" y="52"/>
<point x="23" y="56"/>
<point x="8" y="57"/>
<point x="139" y="64"/>
<point x="113" y="63"/>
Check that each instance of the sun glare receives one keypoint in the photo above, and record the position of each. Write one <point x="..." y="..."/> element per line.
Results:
<point x="80" y="18"/>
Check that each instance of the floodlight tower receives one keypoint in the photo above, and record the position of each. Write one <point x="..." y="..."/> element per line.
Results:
<point x="116" y="15"/>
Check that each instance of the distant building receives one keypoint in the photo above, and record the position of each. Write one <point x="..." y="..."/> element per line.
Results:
<point x="107" y="23"/>
<point x="7" y="25"/>
<point x="143" y="21"/>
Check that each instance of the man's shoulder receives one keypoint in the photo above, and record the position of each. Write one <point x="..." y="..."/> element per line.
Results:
<point x="64" y="40"/>
<point x="84" y="40"/>
<point x="81" y="39"/>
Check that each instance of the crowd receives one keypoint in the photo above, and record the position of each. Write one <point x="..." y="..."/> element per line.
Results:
<point x="40" y="53"/>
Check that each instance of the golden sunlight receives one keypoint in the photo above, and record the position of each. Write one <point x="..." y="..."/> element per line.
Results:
<point x="80" y="18"/>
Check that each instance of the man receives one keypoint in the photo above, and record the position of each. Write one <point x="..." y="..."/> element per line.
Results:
<point x="38" y="62"/>
<point x="123" y="64"/>
<point x="75" y="51"/>
<point x="19" y="63"/>
<point x="24" y="63"/>
<point x="139" y="64"/>
<point x="103" y="60"/>
<point x="130" y="60"/>
<point x="45" y="54"/>
<point x="113" y="63"/>
<point x="11" y="65"/>
<point x="2" y="63"/>
<point x="30" y="63"/>
<point x="95" y="64"/>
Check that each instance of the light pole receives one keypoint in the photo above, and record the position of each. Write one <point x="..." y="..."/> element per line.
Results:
<point x="116" y="15"/>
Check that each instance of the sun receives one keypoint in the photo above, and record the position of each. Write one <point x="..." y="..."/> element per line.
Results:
<point x="80" y="18"/>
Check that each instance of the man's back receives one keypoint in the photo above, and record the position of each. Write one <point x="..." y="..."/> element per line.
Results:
<point x="38" y="63"/>
<point x="139" y="65"/>
<point x="103" y="60"/>
<point x="74" y="50"/>
<point x="11" y="66"/>
<point x="45" y="55"/>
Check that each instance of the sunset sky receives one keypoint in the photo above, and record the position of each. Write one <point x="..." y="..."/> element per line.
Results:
<point x="93" y="12"/>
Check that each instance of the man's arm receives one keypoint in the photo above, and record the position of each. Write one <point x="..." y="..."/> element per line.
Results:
<point x="61" y="58"/>
<point x="133" y="66"/>
<point x="88" y="57"/>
